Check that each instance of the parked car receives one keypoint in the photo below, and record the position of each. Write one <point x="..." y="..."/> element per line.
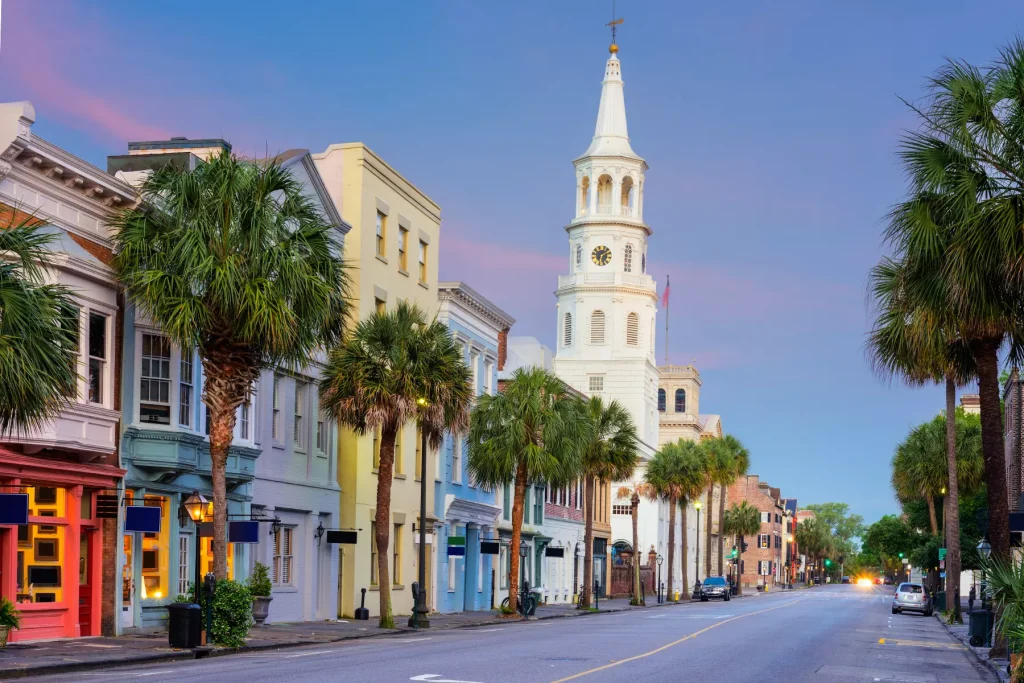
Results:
<point x="715" y="587"/>
<point x="912" y="597"/>
<point x="846" y="579"/>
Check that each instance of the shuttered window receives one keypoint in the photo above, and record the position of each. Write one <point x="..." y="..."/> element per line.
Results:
<point x="627" y="264"/>
<point x="633" y="329"/>
<point x="282" y="569"/>
<point x="597" y="327"/>
<point x="567" y="330"/>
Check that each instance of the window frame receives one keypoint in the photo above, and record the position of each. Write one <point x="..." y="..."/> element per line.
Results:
<point x="299" y="436"/>
<point x="403" y="249"/>
<point x="283" y="558"/>
<point x="102" y="375"/>
<point x="396" y="554"/>
<point x="152" y="378"/>
<point x="380" y="244"/>
<point x="423" y="262"/>
<point x="186" y="409"/>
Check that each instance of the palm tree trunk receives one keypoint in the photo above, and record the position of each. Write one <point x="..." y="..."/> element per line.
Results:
<point x="931" y="514"/>
<point x="739" y="569"/>
<point x="588" y="542"/>
<point x="635" y="505"/>
<point x="686" y="552"/>
<point x="721" y="536"/>
<point x="710" y="517"/>
<point x="218" y="396"/>
<point x="672" y="503"/>
<point x="986" y="355"/>
<point x="518" y="505"/>
<point x="382" y="522"/>
<point x="952" y="525"/>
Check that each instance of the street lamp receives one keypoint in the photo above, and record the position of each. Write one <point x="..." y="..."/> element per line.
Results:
<point x="696" y="585"/>
<point x="197" y="506"/>
<point x="419" y="613"/>
<point x="660" y="560"/>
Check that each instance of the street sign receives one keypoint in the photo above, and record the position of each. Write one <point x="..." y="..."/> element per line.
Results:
<point x="14" y="508"/>
<point x="906" y="561"/>
<point x="554" y="552"/>
<point x="942" y="554"/>
<point x="942" y="564"/>
<point x="457" y="540"/>
<point x="456" y="551"/>
<point x="341" y="537"/>
<point x="489" y="547"/>
<point x="942" y="575"/>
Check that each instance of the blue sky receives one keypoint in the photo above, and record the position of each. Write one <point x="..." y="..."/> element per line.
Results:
<point x="770" y="130"/>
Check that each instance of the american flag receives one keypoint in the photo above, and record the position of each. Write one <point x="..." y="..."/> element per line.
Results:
<point x="664" y="295"/>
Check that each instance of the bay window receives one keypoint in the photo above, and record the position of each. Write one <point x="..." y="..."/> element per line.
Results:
<point x="97" y="356"/>
<point x="155" y="380"/>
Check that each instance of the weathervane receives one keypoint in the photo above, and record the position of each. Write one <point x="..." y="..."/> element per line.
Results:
<point x="614" y="25"/>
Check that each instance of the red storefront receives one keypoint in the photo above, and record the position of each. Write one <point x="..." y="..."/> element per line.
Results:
<point x="51" y="568"/>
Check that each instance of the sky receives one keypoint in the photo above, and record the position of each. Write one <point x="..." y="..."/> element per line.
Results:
<point x="771" y="131"/>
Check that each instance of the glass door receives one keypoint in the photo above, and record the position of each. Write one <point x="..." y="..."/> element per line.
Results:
<point x="85" y="605"/>
<point x="128" y="585"/>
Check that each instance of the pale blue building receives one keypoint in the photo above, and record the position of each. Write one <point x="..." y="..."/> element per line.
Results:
<point x="466" y="512"/>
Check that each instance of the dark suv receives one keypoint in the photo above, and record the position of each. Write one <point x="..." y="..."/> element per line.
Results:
<point x="715" y="587"/>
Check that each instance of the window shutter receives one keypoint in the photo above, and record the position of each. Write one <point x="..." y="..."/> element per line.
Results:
<point x="567" y="335"/>
<point x="633" y="329"/>
<point x="597" y="327"/>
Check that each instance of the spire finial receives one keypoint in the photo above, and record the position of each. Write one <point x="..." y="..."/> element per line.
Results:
<point x="614" y="25"/>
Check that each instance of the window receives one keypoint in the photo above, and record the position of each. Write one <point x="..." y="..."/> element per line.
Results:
<point x="451" y="573"/>
<point x="488" y="377"/>
<point x="627" y="264"/>
<point x="376" y="448"/>
<point x="579" y="255"/>
<point x="567" y="330"/>
<point x="763" y="541"/>
<point x="374" y="579"/>
<point x="579" y="494"/>
<point x="155" y="551"/>
<point x="596" y="383"/>
<point x="474" y="366"/>
<point x="282" y="560"/>
<point x="597" y="327"/>
<point x="185" y="388"/>
<point x="456" y="459"/>
<point x="423" y="261"/>
<point x="321" y="434"/>
<point x="403" y="249"/>
<point x="766" y="517"/>
<point x="299" y="435"/>
<point x="184" y="543"/>
<point x="382" y="227"/>
<point x="633" y="329"/>
<point x="396" y="557"/>
<point x="661" y="400"/>
<point x="506" y="507"/>
<point x="764" y="568"/>
<point x="155" y="381"/>
<point x="245" y="419"/>
<point x="680" y="400"/>
<point x="97" y="355"/>
<point x="276" y="424"/>
<point x="622" y="509"/>
<point x="380" y="307"/>
<point x="538" y="506"/>
<point x="399" y="456"/>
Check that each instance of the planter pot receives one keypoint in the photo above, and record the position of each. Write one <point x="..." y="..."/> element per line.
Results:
<point x="260" y="609"/>
<point x="4" y="631"/>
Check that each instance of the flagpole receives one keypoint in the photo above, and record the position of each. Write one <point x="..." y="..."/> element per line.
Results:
<point x="666" y="318"/>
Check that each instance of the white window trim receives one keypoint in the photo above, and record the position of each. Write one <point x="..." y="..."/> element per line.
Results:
<point x="457" y="461"/>
<point x="106" y="375"/>
<point x="276" y="571"/>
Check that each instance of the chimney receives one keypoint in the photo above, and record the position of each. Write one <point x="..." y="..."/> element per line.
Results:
<point x="502" y="349"/>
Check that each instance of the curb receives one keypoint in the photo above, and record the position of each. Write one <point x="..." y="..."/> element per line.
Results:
<point x="186" y="655"/>
<point x="988" y="663"/>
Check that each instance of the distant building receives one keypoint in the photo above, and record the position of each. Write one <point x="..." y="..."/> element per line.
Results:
<point x="762" y="563"/>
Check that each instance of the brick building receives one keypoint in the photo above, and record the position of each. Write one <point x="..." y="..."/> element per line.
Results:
<point x="763" y="563"/>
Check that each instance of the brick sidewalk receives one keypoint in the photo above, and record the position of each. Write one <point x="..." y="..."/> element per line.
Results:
<point x="56" y="656"/>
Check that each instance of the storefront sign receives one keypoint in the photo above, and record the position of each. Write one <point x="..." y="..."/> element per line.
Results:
<point x="243" y="532"/>
<point x="489" y="547"/>
<point x="341" y="537"/>
<point x="456" y="551"/>
<point x="554" y="552"/>
<point x="13" y="508"/>
<point x="142" y="518"/>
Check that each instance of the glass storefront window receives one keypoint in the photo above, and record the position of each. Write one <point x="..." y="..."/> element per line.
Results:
<point x="207" y="557"/>
<point x="41" y="547"/>
<point x="155" y="549"/>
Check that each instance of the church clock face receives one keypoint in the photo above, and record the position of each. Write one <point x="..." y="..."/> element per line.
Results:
<point x="602" y="256"/>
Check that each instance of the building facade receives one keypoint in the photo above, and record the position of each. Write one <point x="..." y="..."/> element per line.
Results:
<point x="59" y="569"/>
<point x="394" y="242"/>
<point x="762" y="562"/>
<point x="467" y="510"/>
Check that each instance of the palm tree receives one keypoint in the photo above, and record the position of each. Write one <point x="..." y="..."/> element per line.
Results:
<point x="531" y="431"/>
<point x="741" y="519"/>
<point x="692" y="478"/>
<point x="633" y="492"/>
<point x="396" y="367"/>
<point x="38" y="329"/>
<point x="661" y="477"/>
<point x="610" y="455"/>
<point x="720" y="465"/>
<point x="815" y="540"/>
<point x="738" y="460"/>
<point x="233" y="259"/>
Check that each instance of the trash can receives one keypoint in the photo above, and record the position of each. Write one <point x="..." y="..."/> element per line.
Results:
<point x="940" y="601"/>
<point x="184" y="628"/>
<point x="979" y="627"/>
<point x="538" y="598"/>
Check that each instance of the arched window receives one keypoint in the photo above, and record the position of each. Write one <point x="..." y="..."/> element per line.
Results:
<point x="584" y="195"/>
<point x="597" y="327"/>
<point x="633" y="329"/>
<point x="661" y="400"/>
<point x="567" y="330"/>
<point x="579" y="255"/>
<point x="627" y="259"/>
<point x="680" y="401"/>
<point x="626" y="200"/>
<point x="604" y="194"/>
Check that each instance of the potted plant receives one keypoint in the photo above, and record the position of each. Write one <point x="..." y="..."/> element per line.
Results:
<point x="260" y="587"/>
<point x="9" y="618"/>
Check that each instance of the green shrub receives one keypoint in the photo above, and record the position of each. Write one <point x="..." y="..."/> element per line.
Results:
<point x="506" y="610"/>
<point x="183" y="598"/>
<point x="9" y="616"/>
<point x="259" y="581"/>
<point x="232" y="613"/>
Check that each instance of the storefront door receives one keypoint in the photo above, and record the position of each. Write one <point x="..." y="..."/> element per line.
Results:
<point x="85" y="597"/>
<point x="128" y="584"/>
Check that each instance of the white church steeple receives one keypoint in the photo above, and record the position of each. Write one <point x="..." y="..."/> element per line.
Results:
<point x="611" y="136"/>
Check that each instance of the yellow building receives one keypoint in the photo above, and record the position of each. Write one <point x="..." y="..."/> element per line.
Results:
<point x="393" y="247"/>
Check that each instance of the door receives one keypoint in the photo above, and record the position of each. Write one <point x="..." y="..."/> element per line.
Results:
<point x="127" y="585"/>
<point x="85" y="605"/>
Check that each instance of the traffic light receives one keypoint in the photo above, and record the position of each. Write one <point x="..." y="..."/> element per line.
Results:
<point x="901" y="556"/>
<point x="828" y="563"/>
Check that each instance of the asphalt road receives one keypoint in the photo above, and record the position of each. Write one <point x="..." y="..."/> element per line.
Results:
<point x="841" y="634"/>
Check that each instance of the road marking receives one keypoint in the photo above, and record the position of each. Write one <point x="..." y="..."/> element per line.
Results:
<point x="416" y="640"/>
<point x="307" y="654"/>
<point x="834" y="672"/>
<point x="434" y="679"/>
<point x="486" y="630"/>
<point x="921" y="643"/>
<point x="673" y="643"/>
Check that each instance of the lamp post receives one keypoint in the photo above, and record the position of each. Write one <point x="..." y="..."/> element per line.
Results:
<point x="419" y="614"/>
<point x="660" y="560"/>
<point x="196" y="506"/>
<point x="984" y="552"/>
<point x="696" y="585"/>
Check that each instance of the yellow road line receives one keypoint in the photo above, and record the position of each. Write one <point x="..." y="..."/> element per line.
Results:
<point x="673" y="643"/>
<point x="920" y="643"/>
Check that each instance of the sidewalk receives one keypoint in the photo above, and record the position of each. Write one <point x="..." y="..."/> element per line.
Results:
<point x="61" y="656"/>
<point x="959" y="631"/>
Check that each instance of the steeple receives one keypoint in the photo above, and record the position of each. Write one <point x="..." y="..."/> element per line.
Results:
<point x="611" y="138"/>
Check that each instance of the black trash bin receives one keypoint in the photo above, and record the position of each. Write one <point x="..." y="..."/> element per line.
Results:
<point x="184" y="628"/>
<point x="979" y="627"/>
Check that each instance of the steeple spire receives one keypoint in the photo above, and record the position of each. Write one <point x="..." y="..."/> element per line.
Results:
<point x="611" y="137"/>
